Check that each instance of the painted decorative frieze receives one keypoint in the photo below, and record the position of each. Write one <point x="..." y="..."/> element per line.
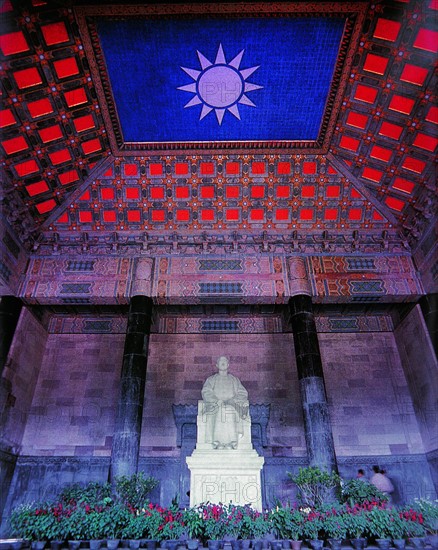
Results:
<point x="262" y="279"/>
<point x="361" y="279"/>
<point x="70" y="281"/>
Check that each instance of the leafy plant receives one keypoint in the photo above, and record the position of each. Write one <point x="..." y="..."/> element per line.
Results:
<point x="135" y="489"/>
<point x="133" y="527"/>
<point x="35" y="522"/>
<point x="75" y="523"/>
<point x="115" y="519"/>
<point x="313" y="526"/>
<point x="397" y="526"/>
<point x="429" y="511"/>
<point x="94" y="523"/>
<point x="171" y="527"/>
<point x="214" y="516"/>
<point x="194" y="522"/>
<point x="315" y="486"/>
<point x="255" y="524"/>
<point x="357" y="491"/>
<point x="334" y="525"/>
<point x="93" y="493"/>
<point x="288" y="522"/>
<point x="414" y="522"/>
<point x="380" y="519"/>
<point x="356" y="523"/>
<point x="152" y="519"/>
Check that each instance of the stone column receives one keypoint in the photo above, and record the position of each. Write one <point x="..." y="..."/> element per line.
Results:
<point x="126" y="440"/>
<point x="10" y="308"/>
<point x="319" y="438"/>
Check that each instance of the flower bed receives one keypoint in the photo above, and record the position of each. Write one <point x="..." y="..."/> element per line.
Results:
<point x="97" y="513"/>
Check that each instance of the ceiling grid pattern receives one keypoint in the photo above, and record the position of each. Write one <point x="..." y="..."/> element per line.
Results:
<point x="387" y="128"/>
<point x="245" y="192"/>
<point x="52" y="133"/>
<point x="53" y="141"/>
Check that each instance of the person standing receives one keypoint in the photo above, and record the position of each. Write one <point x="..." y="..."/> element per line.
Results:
<point x="361" y="475"/>
<point x="382" y="482"/>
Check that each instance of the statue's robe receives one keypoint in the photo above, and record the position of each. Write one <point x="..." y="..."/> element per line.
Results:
<point x="224" y="420"/>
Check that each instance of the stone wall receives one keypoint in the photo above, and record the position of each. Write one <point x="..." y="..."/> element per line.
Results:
<point x="21" y="371"/>
<point x="73" y="409"/>
<point x="18" y="382"/>
<point x="371" y="409"/>
<point x="369" y="400"/>
<point x="420" y="367"/>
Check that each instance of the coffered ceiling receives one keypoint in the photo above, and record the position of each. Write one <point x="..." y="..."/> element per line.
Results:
<point x="293" y="122"/>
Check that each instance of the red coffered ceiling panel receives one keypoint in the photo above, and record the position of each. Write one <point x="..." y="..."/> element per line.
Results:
<point x="246" y="192"/>
<point x="377" y="170"/>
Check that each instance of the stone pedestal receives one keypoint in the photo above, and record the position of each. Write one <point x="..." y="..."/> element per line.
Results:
<point x="225" y="475"/>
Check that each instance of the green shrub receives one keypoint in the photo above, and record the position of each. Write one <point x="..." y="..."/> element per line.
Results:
<point x="357" y="491"/>
<point x="36" y="522"/>
<point x="93" y="493"/>
<point x="429" y="510"/>
<point x="287" y="522"/>
<point x="134" y="490"/>
<point x="315" y="486"/>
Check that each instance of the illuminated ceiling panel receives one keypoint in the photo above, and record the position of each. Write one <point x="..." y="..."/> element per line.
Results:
<point x="204" y="79"/>
<point x="60" y="127"/>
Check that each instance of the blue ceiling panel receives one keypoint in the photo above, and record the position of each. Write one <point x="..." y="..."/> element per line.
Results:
<point x="217" y="79"/>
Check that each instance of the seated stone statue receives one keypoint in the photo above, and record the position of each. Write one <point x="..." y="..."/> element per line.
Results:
<point x="226" y="407"/>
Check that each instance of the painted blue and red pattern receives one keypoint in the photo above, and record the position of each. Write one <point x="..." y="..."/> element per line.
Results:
<point x="54" y="138"/>
<point x="295" y="59"/>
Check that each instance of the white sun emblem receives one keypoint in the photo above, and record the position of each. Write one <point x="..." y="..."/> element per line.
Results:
<point x="220" y="86"/>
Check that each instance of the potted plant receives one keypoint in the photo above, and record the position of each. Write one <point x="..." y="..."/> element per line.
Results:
<point x="415" y="529"/>
<point x="429" y="511"/>
<point x="313" y="529"/>
<point x="232" y="521"/>
<point x="379" y="526"/>
<point x="397" y="529"/>
<point x="194" y="524"/>
<point x="74" y="526"/>
<point x="288" y="524"/>
<point x="94" y="525"/>
<point x="133" y="529"/>
<point x="152" y="519"/>
<point x="356" y="525"/>
<point x="316" y="487"/>
<point x="171" y="529"/>
<point x="31" y="522"/>
<point x="334" y="528"/>
<point x="256" y="526"/>
<point x="115" y="518"/>
<point x="296" y="521"/>
<point x="57" y="533"/>
<point x="214" y="516"/>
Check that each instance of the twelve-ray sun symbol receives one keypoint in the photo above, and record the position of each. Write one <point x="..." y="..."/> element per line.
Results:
<point x="220" y="86"/>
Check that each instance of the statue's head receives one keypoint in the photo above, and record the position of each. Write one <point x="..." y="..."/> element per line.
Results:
<point x="222" y="363"/>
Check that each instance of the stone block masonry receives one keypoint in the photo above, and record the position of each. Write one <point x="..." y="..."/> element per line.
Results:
<point x="73" y="410"/>
<point x="21" y="372"/>
<point x="179" y="364"/>
<point x="369" y="401"/>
